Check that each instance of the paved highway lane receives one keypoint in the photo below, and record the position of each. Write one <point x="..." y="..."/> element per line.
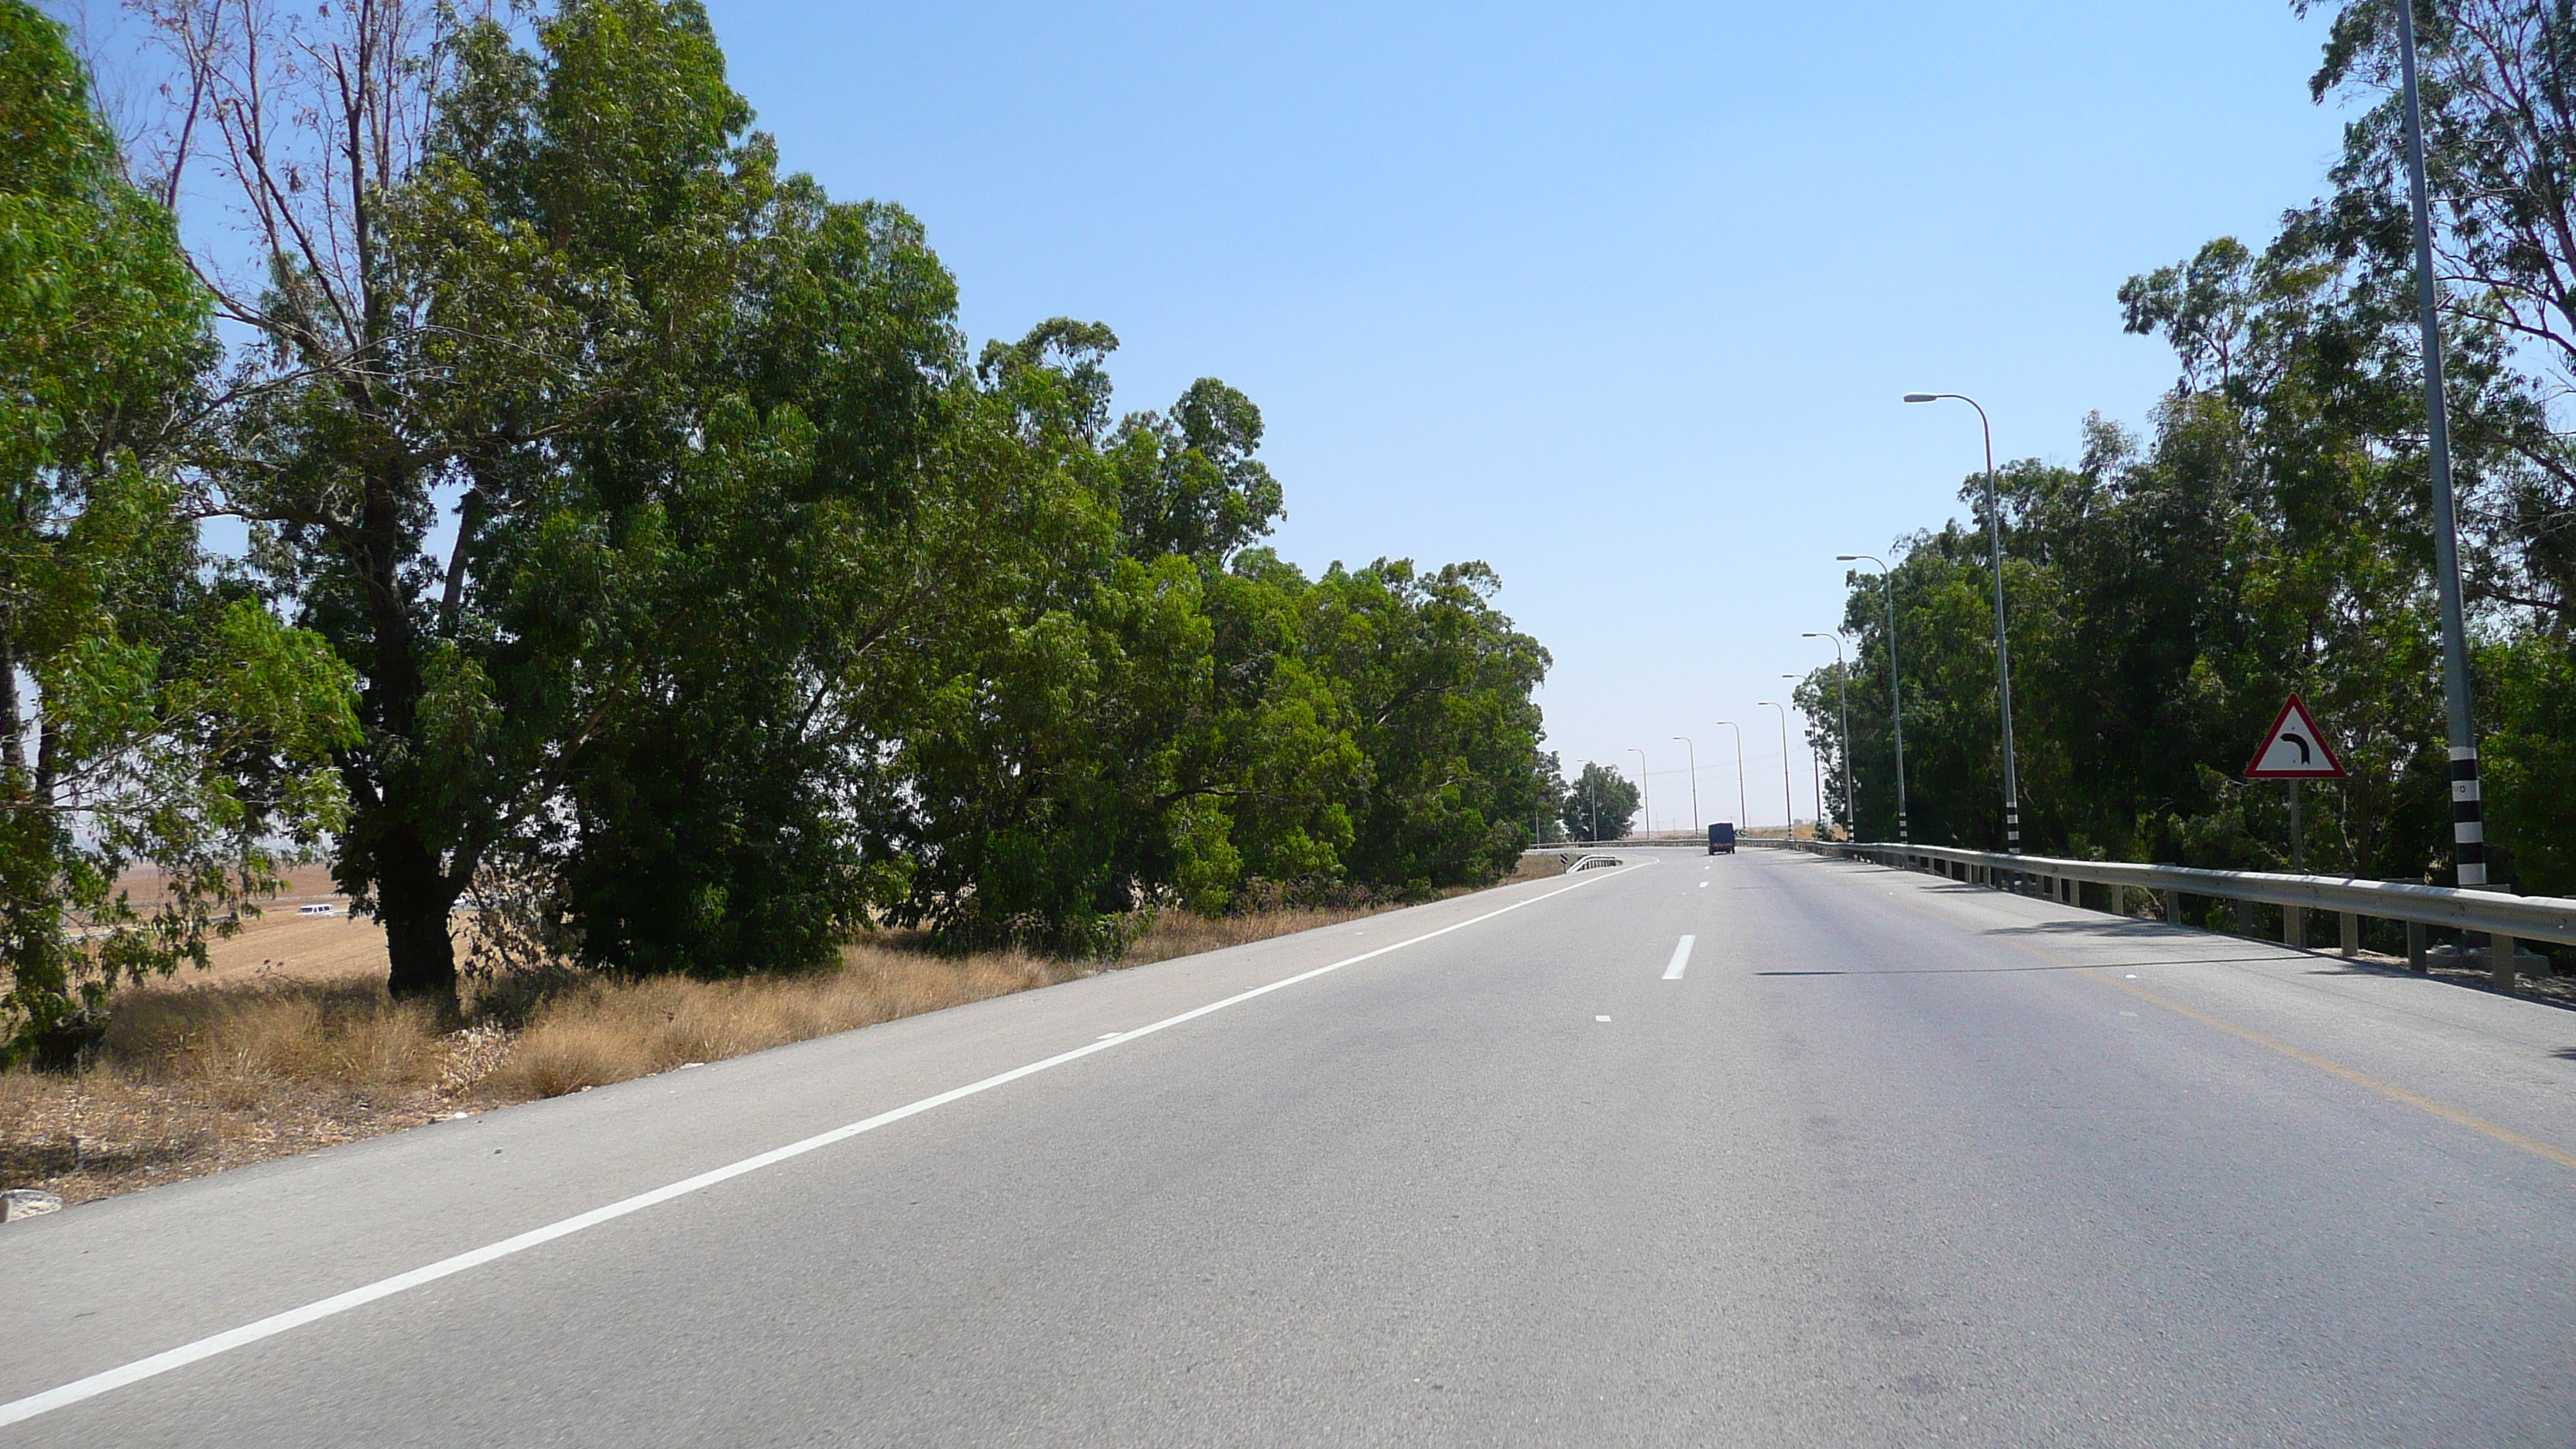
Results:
<point x="1889" y="1161"/>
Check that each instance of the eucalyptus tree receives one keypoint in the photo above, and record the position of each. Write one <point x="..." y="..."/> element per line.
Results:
<point x="482" y="272"/>
<point x="150" y="709"/>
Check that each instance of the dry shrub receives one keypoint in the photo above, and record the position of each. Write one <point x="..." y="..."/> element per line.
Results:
<point x="340" y="1034"/>
<point x="610" y="1031"/>
<point x="1186" y="933"/>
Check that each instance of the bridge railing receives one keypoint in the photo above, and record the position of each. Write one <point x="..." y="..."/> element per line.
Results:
<point x="2507" y="919"/>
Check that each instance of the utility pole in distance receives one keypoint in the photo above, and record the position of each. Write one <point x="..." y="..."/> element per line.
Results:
<point x="1645" y="792"/>
<point x="1842" y="698"/>
<point x="1743" y="814"/>
<point x="1694" y="774"/>
<point x="2003" y="658"/>
<point x="2468" y="806"/>
<point x="1788" y="810"/>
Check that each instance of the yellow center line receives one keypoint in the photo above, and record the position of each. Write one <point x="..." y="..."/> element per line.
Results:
<point x="2448" y="1113"/>
<point x="2358" y="1078"/>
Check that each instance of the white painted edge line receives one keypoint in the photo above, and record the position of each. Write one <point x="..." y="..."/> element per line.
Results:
<point x="1681" y="959"/>
<point x="21" y="1410"/>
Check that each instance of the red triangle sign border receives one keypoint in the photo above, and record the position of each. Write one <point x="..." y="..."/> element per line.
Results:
<point x="2295" y="708"/>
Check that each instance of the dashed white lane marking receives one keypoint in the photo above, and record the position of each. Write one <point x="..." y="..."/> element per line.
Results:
<point x="20" y="1410"/>
<point x="1600" y="1018"/>
<point x="1681" y="959"/>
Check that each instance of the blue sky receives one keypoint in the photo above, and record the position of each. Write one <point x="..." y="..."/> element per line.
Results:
<point x="1618" y="299"/>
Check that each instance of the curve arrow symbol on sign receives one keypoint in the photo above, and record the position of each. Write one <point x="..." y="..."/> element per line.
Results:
<point x="2294" y="748"/>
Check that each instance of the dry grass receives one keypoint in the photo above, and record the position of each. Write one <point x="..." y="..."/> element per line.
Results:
<point x="605" y="1031"/>
<point x="192" y="1079"/>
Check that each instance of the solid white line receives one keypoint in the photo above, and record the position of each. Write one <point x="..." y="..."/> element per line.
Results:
<point x="1681" y="958"/>
<point x="91" y="1387"/>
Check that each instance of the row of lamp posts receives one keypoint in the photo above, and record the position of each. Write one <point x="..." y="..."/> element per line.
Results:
<point x="2467" y="810"/>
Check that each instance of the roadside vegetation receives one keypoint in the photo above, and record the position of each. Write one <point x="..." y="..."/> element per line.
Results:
<point x="188" y="1080"/>
<point x="2269" y="533"/>
<point x="642" y="565"/>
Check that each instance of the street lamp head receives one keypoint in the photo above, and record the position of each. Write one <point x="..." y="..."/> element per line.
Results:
<point x="1811" y="634"/>
<point x="1847" y="558"/>
<point x="1922" y="397"/>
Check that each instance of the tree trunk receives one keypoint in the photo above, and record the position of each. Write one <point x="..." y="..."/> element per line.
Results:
<point x="415" y="888"/>
<point x="413" y="900"/>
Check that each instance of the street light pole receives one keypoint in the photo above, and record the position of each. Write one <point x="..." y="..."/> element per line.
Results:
<point x="1815" y="772"/>
<point x="1842" y="697"/>
<point x="1895" y="697"/>
<point x="1743" y="815"/>
<point x="2003" y="659"/>
<point x="2468" y="823"/>
<point x="1645" y="791"/>
<point x="1694" y="774"/>
<point x="1788" y="811"/>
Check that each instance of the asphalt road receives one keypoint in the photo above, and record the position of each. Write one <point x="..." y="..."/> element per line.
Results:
<point x="1889" y="1161"/>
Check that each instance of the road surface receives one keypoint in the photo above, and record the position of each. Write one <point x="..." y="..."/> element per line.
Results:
<point x="1880" y="1159"/>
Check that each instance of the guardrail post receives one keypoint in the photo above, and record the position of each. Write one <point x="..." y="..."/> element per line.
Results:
<point x="2244" y="917"/>
<point x="2419" y="954"/>
<point x="2294" y="927"/>
<point x="2501" y="962"/>
<point x="2119" y="900"/>
<point x="2173" y="907"/>
<point x="2351" y="934"/>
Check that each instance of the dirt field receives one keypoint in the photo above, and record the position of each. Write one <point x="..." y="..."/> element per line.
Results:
<point x="283" y="944"/>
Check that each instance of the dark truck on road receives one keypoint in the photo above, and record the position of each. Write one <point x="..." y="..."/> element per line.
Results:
<point x="1721" y="838"/>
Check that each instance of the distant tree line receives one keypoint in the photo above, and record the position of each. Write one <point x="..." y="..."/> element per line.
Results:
<point x="2270" y="531"/>
<point x="638" y="555"/>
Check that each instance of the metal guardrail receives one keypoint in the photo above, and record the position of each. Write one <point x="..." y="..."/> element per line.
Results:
<point x="2508" y="919"/>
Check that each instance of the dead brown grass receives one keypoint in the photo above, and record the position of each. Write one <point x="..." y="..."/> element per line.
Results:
<point x="191" y="1081"/>
<point x="194" y="1078"/>
<point x="607" y="1031"/>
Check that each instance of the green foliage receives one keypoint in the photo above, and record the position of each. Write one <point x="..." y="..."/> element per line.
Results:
<point x="770" y="614"/>
<point x="172" y="718"/>
<point x="2273" y="534"/>
<point x="1599" y="804"/>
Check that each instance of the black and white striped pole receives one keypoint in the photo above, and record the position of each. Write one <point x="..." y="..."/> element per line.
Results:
<point x="2003" y="657"/>
<point x="2468" y="822"/>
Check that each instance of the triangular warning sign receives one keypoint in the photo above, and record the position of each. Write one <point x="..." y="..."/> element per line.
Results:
<point x="2295" y="749"/>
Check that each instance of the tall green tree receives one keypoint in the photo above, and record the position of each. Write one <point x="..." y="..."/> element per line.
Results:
<point x="1438" y="684"/>
<point x="150" y="709"/>
<point x="488" y="274"/>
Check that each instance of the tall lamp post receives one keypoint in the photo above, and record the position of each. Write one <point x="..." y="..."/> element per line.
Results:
<point x="2003" y="660"/>
<point x="1743" y="816"/>
<point x="1645" y="791"/>
<point x="2468" y="821"/>
<point x="1815" y="770"/>
<point x="1788" y="811"/>
<point x="1895" y="697"/>
<point x="1842" y="699"/>
<point x="1694" y="774"/>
